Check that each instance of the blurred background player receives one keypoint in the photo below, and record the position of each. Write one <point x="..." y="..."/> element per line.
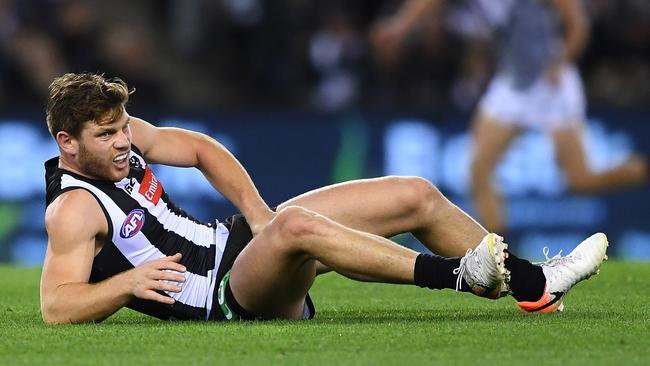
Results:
<point x="536" y="85"/>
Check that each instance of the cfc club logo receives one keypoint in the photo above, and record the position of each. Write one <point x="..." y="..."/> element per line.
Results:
<point x="132" y="224"/>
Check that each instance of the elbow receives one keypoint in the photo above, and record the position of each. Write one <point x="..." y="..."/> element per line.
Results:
<point x="52" y="316"/>
<point x="51" y="319"/>
<point x="55" y="315"/>
<point x="203" y="146"/>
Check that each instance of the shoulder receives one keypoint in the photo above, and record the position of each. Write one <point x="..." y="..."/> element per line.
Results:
<point x="143" y="134"/>
<point x="75" y="212"/>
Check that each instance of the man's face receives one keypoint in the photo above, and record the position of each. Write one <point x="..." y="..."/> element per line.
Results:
<point x="104" y="148"/>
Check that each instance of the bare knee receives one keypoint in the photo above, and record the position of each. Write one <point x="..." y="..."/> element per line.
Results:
<point x="417" y="196"/>
<point x="295" y="225"/>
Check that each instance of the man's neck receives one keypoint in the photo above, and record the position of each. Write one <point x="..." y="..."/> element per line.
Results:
<point x="64" y="163"/>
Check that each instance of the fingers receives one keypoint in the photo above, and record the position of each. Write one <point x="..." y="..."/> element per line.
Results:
<point x="165" y="286"/>
<point x="174" y="258"/>
<point x="153" y="291"/>
<point x="170" y="266"/>
<point x="164" y="274"/>
<point x="170" y="276"/>
<point x="153" y="295"/>
<point x="170" y="263"/>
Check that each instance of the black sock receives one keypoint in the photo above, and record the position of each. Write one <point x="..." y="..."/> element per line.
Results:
<point x="527" y="281"/>
<point x="436" y="272"/>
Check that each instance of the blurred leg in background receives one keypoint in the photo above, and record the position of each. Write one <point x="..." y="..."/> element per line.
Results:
<point x="491" y="140"/>
<point x="571" y="156"/>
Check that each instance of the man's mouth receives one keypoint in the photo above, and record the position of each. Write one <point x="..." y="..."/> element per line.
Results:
<point x="121" y="161"/>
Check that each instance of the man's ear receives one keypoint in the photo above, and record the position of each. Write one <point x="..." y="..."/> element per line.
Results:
<point x="67" y="143"/>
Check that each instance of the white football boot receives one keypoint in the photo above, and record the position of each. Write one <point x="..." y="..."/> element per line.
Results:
<point x="483" y="268"/>
<point x="562" y="273"/>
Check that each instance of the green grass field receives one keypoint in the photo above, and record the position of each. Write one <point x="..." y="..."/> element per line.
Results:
<point x="606" y="321"/>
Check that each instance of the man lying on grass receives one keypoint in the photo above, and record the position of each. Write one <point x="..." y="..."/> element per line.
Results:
<point x="116" y="239"/>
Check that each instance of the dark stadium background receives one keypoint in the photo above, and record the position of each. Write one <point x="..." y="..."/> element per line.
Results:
<point x="296" y="91"/>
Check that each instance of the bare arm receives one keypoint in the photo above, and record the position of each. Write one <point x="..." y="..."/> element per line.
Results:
<point x="414" y="11"/>
<point x="73" y="222"/>
<point x="389" y="34"/>
<point x="178" y="147"/>
<point x="576" y="32"/>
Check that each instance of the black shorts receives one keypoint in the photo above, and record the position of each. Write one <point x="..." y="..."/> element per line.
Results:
<point x="240" y="235"/>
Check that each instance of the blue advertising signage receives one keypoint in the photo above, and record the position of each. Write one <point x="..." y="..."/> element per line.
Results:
<point x="288" y="154"/>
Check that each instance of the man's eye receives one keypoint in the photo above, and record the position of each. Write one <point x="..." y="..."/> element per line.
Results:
<point x="104" y="134"/>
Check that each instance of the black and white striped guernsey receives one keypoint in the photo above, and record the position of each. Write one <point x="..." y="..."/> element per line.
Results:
<point x="144" y="225"/>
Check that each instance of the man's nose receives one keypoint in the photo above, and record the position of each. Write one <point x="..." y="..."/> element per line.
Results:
<point x="123" y="140"/>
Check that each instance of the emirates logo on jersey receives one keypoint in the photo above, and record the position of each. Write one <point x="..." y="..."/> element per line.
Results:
<point x="132" y="224"/>
<point x="150" y="188"/>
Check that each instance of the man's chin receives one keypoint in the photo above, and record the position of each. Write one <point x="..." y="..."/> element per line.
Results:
<point x="112" y="175"/>
<point x="119" y="174"/>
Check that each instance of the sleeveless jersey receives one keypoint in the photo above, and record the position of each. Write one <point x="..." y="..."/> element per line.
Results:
<point x="530" y="40"/>
<point x="528" y="36"/>
<point x="144" y="225"/>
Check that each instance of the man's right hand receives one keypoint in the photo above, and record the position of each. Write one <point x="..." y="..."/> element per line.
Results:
<point x="259" y="222"/>
<point x="158" y="275"/>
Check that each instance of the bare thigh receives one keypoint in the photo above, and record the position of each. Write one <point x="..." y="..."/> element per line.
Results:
<point x="392" y="205"/>
<point x="381" y="206"/>
<point x="269" y="282"/>
<point x="272" y="275"/>
<point x="491" y="140"/>
<point x="572" y="158"/>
